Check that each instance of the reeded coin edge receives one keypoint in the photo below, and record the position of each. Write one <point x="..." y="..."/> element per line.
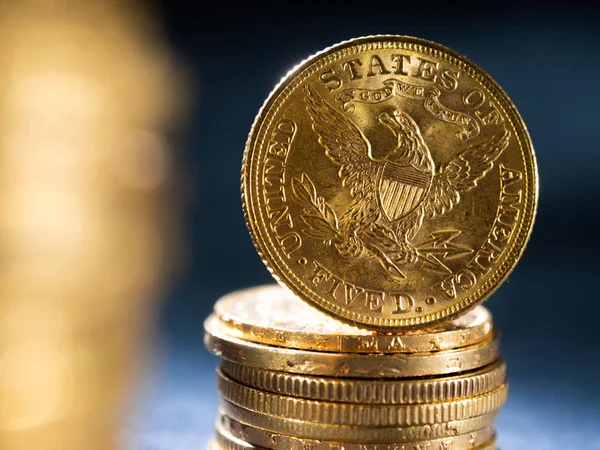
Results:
<point x="363" y="415"/>
<point x="327" y="432"/>
<point x="278" y="268"/>
<point x="229" y="429"/>
<point x="400" y="391"/>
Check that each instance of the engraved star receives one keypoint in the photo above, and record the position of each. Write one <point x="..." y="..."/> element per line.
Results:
<point x="280" y="336"/>
<point x="256" y="333"/>
<point x="472" y="439"/>
<point x="320" y="342"/>
<point x="436" y="343"/>
<point x="343" y="369"/>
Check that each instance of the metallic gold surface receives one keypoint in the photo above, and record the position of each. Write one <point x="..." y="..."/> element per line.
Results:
<point x="272" y="315"/>
<point x="232" y="431"/>
<point x="390" y="182"/>
<point x="346" y="364"/>
<point x="238" y="445"/>
<point x="226" y="441"/>
<point x="398" y="391"/>
<point x="313" y="430"/>
<point x="360" y="415"/>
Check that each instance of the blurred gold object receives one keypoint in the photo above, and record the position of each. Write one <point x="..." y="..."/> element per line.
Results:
<point x="272" y="315"/>
<point x="84" y="189"/>
<point x="389" y="182"/>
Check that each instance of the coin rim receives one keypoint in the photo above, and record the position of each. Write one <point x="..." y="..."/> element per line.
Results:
<point x="310" y="430"/>
<point x="485" y="435"/>
<point x="346" y="343"/>
<point x="357" y="414"/>
<point x="285" y="276"/>
<point x="348" y="365"/>
<point x="385" y="391"/>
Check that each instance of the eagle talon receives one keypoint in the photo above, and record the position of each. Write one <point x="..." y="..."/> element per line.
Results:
<point x="350" y="247"/>
<point x="406" y="254"/>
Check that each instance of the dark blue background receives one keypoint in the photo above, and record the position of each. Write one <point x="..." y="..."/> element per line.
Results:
<point x="547" y="60"/>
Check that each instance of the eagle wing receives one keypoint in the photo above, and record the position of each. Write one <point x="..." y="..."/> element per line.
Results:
<point x="462" y="173"/>
<point x="344" y="144"/>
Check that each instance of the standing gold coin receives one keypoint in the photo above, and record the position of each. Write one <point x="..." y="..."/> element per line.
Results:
<point x="387" y="392"/>
<point x="390" y="182"/>
<point x="229" y="430"/>
<point x="349" y="365"/>
<point x="272" y="315"/>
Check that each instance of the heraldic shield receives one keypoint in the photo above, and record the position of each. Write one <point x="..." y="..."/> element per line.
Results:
<point x="401" y="189"/>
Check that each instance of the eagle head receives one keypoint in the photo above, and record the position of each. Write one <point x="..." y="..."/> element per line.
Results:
<point x="410" y="147"/>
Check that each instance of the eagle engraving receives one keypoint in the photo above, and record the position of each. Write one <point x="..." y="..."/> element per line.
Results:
<point x="391" y="196"/>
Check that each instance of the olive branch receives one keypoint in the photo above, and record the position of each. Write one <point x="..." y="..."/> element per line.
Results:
<point x="318" y="216"/>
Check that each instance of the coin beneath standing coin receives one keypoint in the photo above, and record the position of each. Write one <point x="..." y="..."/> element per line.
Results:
<point x="359" y="415"/>
<point x="419" y="390"/>
<point x="371" y="435"/>
<point x="231" y="430"/>
<point x="347" y="365"/>
<point x="272" y="315"/>
<point x="390" y="182"/>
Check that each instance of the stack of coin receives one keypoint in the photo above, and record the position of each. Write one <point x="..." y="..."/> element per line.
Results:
<point x="293" y="378"/>
<point x="391" y="184"/>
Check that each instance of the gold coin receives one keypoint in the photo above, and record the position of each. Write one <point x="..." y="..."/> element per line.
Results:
<point x="390" y="182"/>
<point x="239" y="445"/>
<point x="311" y="430"/>
<point x="489" y="446"/>
<point x="359" y="415"/>
<point x="397" y="391"/>
<point x="347" y="365"/>
<point x="226" y="441"/>
<point x="229" y="430"/>
<point x="272" y="315"/>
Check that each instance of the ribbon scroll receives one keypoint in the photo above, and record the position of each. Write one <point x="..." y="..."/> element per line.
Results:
<point x="431" y="101"/>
